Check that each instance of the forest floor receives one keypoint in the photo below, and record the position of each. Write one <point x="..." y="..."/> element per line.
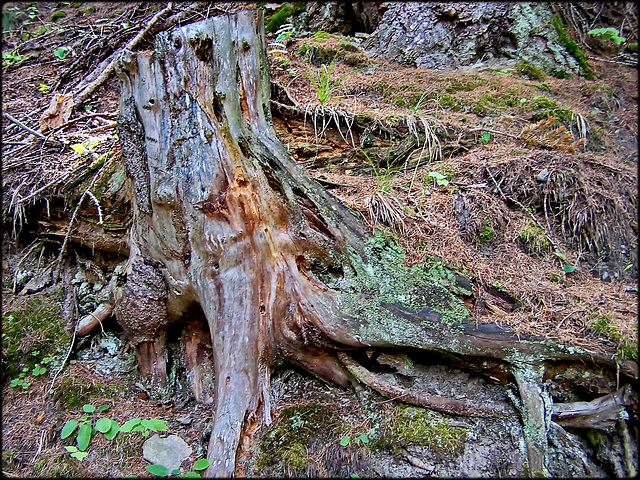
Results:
<point x="545" y="226"/>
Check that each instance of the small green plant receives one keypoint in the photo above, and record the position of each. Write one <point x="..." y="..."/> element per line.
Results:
<point x="565" y="267"/>
<point x="279" y="47"/>
<point x="61" y="52"/>
<point x="162" y="471"/>
<point x="363" y="437"/>
<point x="86" y="147"/>
<point x="10" y="58"/>
<point x="144" y="426"/>
<point x="608" y="33"/>
<point x="485" y="137"/>
<point x="323" y="83"/>
<point x="86" y="427"/>
<point x="439" y="179"/>
<point x="418" y="104"/>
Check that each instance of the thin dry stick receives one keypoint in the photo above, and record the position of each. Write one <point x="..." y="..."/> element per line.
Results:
<point x="52" y="142"/>
<point x="133" y="43"/>
<point x="73" y="339"/>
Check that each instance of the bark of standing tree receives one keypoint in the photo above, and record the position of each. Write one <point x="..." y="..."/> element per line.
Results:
<point x="223" y="218"/>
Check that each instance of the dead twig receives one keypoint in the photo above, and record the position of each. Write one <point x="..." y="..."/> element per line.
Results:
<point x="52" y="142"/>
<point x="83" y="95"/>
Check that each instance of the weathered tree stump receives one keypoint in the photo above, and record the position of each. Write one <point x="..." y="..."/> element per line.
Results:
<point x="223" y="218"/>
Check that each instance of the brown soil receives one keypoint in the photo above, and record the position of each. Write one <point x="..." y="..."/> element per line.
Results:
<point x="527" y="291"/>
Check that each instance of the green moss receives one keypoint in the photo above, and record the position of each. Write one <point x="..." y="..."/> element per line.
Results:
<point x="465" y="84"/>
<point x="347" y="47"/>
<point x="320" y="35"/>
<point x="533" y="240"/>
<point x="400" y="101"/>
<point x="293" y="435"/>
<point x="546" y="107"/>
<point x="282" y="14"/>
<point x="601" y="324"/>
<point x="572" y="47"/>
<point x="447" y="101"/>
<point x="560" y="73"/>
<point x="37" y="327"/>
<point x="71" y="393"/>
<point x="406" y="425"/>
<point x="486" y="233"/>
<point x="527" y="70"/>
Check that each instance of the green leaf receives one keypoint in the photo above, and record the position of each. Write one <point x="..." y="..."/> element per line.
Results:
<point x="58" y="15"/>
<point x="140" y="428"/>
<point x="191" y="475"/>
<point x="68" y="428"/>
<point x="561" y="255"/>
<point x="486" y="136"/>
<point x="103" y="425"/>
<point x="364" y="438"/>
<point x="88" y="408"/>
<point x="155" y="424"/>
<point x="201" y="464"/>
<point x="71" y="448"/>
<point x="104" y="407"/>
<point x="80" y="455"/>
<point x="158" y="470"/>
<point x="84" y="436"/>
<point x="113" y="431"/>
<point x="175" y="471"/>
<point x="568" y="268"/>
<point x="345" y="441"/>
<point x="60" y="53"/>
<point x="15" y="382"/>
<point x="127" y="427"/>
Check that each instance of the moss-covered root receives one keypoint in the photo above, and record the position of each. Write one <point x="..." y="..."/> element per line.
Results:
<point x="536" y="411"/>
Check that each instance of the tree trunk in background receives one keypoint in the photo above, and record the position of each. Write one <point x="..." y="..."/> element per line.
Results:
<point x="477" y="35"/>
<point x="224" y="219"/>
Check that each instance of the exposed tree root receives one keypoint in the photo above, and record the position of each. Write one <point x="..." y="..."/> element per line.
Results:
<point x="421" y="399"/>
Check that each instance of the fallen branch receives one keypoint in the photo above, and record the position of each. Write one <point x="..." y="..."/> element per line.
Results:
<point x="83" y="95"/>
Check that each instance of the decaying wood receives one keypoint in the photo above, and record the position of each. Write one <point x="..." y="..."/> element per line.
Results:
<point x="602" y="413"/>
<point x="421" y="399"/>
<point x="227" y="224"/>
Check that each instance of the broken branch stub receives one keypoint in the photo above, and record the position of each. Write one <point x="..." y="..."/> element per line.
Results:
<point x="224" y="219"/>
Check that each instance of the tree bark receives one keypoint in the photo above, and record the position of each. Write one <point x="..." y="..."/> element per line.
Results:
<point x="224" y="219"/>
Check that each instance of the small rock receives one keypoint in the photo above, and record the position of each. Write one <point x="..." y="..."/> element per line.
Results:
<point x="168" y="452"/>
<point x="543" y="176"/>
<point x="186" y="420"/>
